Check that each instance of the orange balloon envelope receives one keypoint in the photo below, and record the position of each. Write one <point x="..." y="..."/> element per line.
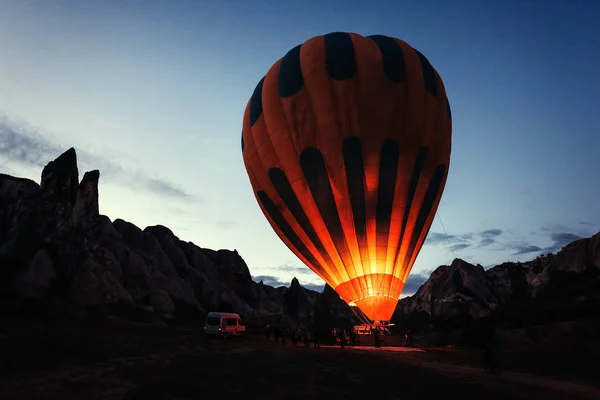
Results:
<point x="346" y="141"/>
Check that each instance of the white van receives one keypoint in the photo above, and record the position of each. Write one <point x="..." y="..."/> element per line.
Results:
<point x="224" y="324"/>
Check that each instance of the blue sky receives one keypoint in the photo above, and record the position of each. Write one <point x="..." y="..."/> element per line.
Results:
<point x="153" y="93"/>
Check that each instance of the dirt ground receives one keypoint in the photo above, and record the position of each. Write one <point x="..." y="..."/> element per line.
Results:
<point x="112" y="360"/>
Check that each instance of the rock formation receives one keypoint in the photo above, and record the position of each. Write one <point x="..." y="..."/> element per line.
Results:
<point x="54" y="243"/>
<point x="549" y="288"/>
<point x="56" y="248"/>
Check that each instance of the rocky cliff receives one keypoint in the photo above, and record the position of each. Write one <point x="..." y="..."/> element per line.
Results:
<point x="549" y="288"/>
<point x="55" y="246"/>
<point x="57" y="249"/>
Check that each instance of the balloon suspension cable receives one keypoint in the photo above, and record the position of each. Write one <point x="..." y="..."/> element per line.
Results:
<point x="360" y="316"/>
<point x="445" y="234"/>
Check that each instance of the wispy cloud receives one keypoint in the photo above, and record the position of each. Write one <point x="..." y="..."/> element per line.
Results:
<point x="460" y="246"/>
<point x="283" y="275"/>
<point x="414" y="282"/>
<point x="486" y="241"/>
<point x="488" y="237"/>
<point x="436" y="238"/>
<point x="270" y="280"/>
<point x="24" y="145"/>
<point x="560" y="236"/>
<point x="462" y="241"/>
<point x="559" y="240"/>
<point x="314" y="286"/>
<point x="278" y="282"/>
<point x="526" y="249"/>
<point x="224" y="224"/>
<point x="292" y="269"/>
<point x="491" y="233"/>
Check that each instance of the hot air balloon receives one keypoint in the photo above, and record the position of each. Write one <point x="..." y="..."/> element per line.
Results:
<point x="346" y="141"/>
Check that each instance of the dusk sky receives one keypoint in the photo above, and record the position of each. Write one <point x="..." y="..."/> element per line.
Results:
<point x="153" y="93"/>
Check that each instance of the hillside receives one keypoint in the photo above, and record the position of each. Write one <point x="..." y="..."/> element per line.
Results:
<point x="58" y="252"/>
<point x="551" y="288"/>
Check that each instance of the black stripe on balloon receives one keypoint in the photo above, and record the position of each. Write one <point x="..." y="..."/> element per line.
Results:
<point x="242" y="140"/>
<point x="426" y="208"/>
<point x="429" y="77"/>
<point x="388" y="168"/>
<point x="449" y="113"/>
<point x="283" y="187"/>
<point x="256" y="107"/>
<point x="315" y="173"/>
<point x="339" y="55"/>
<point x="393" y="58"/>
<point x="285" y="228"/>
<point x="355" y="175"/>
<point x="289" y="77"/>
<point x="414" y="181"/>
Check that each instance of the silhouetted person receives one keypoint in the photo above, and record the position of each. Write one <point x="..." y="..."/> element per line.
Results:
<point x="490" y="355"/>
<point x="276" y="334"/>
<point x="283" y="334"/>
<point x="408" y="338"/>
<point x="307" y="339"/>
<point x="352" y="338"/>
<point x="376" y="338"/>
<point x="341" y="338"/>
<point x="268" y="330"/>
<point x="317" y="339"/>
<point x="487" y="358"/>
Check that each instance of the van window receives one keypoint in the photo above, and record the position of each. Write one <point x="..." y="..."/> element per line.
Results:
<point x="213" y="321"/>
<point x="230" y="321"/>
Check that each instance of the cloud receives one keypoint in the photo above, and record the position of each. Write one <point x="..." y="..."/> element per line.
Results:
<point x="295" y="269"/>
<point x="26" y="146"/>
<point x="271" y="280"/>
<point x="314" y="286"/>
<point x="413" y="283"/>
<point x="559" y="240"/>
<point x="588" y="224"/>
<point x="460" y="246"/>
<point x="488" y="237"/>
<point x="491" y="233"/>
<point x="435" y="238"/>
<point x="462" y="241"/>
<point x="278" y="282"/>
<point x="224" y="224"/>
<point x="526" y="249"/>
<point x="486" y="241"/>
<point x="283" y="275"/>
<point x="163" y="187"/>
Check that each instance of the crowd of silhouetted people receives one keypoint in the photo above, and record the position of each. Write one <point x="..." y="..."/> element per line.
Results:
<point x="342" y="337"/>
<point x="296" y="335"/>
